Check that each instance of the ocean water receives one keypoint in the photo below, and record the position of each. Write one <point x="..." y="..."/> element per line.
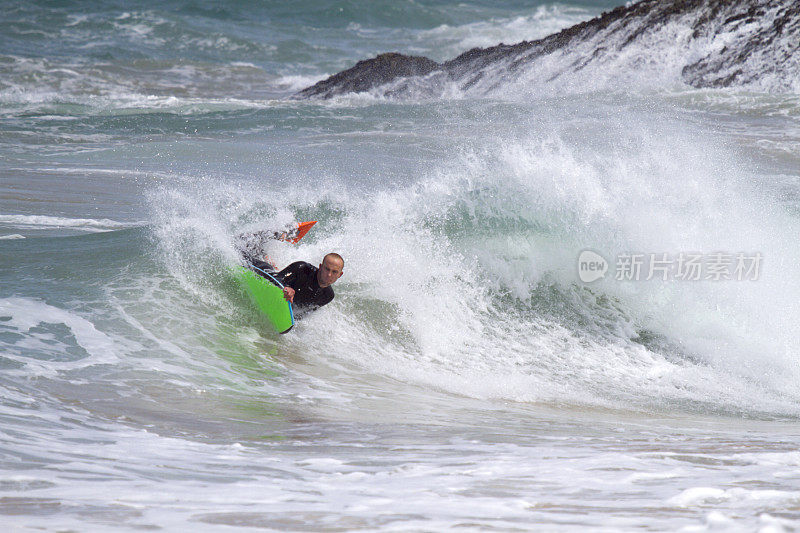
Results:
<point x="464" y="377"/>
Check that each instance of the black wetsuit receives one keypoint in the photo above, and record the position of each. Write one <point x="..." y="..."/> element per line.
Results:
<point x="302" y="277"/>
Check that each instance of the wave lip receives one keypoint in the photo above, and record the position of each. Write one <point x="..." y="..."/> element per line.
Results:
<point x="700" y="43"/>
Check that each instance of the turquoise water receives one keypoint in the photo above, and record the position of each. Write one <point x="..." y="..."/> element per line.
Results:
<point x="464" y="377"/>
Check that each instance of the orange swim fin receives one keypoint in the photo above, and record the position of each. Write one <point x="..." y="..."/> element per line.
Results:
<point x="294" y="235"/>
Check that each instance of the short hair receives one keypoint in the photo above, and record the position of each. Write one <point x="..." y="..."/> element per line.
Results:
<point x="335" y="256"/>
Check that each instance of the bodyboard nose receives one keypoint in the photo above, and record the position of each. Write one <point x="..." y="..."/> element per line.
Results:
<point x="267" y="293"/>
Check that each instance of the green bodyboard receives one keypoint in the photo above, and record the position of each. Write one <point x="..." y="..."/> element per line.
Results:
<point x="268" y="297"/>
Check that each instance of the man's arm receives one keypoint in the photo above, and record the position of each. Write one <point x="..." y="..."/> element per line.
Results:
<point x="292" y="274"/>
<point x="290" y="277"/>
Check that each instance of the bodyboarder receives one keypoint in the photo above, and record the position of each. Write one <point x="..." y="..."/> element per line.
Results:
<point x="307" y="287"/>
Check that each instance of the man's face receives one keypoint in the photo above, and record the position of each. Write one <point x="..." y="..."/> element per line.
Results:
<point x="329" y="271"/>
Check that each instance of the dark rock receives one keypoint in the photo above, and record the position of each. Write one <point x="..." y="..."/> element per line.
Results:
<point x="371" y="73"/>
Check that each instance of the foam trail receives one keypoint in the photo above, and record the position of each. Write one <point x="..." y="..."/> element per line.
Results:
<point x="49" y="222"/>
<point x="24" y="314"/>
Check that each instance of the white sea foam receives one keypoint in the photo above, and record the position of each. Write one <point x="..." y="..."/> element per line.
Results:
<point x="544" y="21"/>
<point x="49" y="222"/>
<point x="23" y="314"/>
<point x="297" y="82"/>
<point x="140" y="26"/>
<point x="711" y="495"/>
<point x="73" y="89"/>
<point x="100" y="171"/>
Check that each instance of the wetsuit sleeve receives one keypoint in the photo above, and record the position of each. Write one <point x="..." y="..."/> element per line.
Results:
<point x="293" y="275"/>
<point x="261" y="265"/>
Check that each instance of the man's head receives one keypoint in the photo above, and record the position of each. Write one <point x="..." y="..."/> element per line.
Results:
<point x="330" y="269"/>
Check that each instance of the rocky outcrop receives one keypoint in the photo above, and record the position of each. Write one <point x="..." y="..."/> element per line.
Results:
<point x="372" y="73"/>
<point x="707" y="43"/>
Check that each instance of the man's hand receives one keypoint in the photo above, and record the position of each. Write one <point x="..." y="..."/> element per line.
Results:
<point x="288" y="293"/>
